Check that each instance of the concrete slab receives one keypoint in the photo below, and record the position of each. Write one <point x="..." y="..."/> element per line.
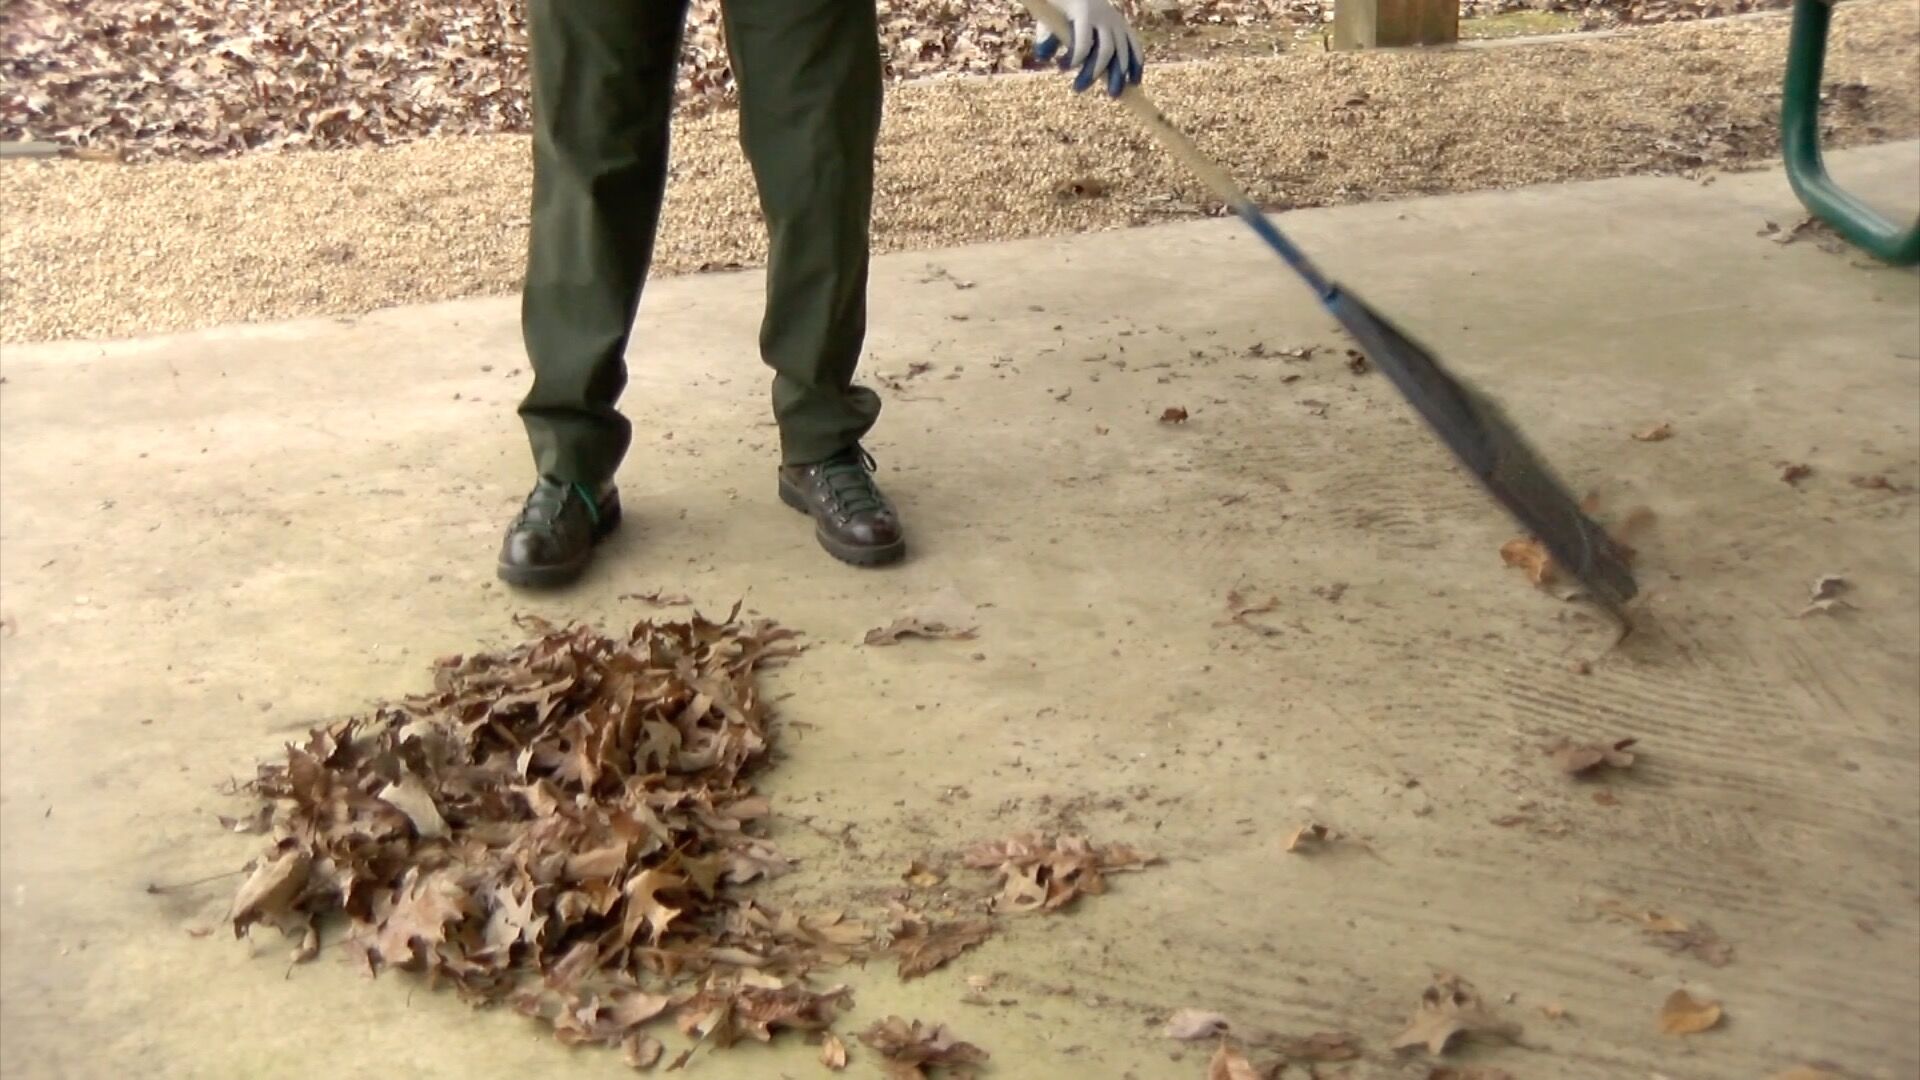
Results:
<point x="210" y="541"/>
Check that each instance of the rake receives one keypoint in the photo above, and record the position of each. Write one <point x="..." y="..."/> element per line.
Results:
<point x="1466" y="422"/>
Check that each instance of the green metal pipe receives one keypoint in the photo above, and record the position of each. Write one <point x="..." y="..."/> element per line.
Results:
<point x="1859" y="223"/>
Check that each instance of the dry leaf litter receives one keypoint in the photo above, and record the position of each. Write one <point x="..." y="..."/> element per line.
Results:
<point x="567" y="827"/>
<point x="221" y="77"/>
<point x="92" y="249"/>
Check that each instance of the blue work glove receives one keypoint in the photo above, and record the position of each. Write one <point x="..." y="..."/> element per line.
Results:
<point x="1104" y="48"/>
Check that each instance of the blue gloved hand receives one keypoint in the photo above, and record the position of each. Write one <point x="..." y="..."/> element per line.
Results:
<point x="1104" y="48"/>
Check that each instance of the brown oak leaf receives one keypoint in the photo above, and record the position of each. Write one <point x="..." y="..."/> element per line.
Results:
<point x="1040" y="872"/>
<point x="1684" y="1014"/>
<point x="1449" y="1010"/>
<point x="269" y="893"/>
<point x="1310" y="837"/>
<point x="909" y="1048"/>
<point x="923" y="945"/>
<point x="833" y="1052"/>
<point x="1530" y="555"/>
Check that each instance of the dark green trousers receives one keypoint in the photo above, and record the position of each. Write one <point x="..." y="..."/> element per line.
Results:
<point x="603" y="77"/>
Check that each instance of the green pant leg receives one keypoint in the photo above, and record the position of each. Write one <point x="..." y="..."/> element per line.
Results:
<point x="603" y="80"/>
<point x="809" y="79"/>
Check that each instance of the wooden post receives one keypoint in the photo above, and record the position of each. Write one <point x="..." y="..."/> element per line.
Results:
<point x="1386" y="24"/>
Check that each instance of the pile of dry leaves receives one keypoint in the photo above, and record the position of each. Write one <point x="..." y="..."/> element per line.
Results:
<point x="557" y="827"/>
<point x="564" y="827"/>
<point x="146" y="78"/>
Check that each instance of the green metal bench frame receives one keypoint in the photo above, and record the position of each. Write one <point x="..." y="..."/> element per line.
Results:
<point x="1859" y="223"/>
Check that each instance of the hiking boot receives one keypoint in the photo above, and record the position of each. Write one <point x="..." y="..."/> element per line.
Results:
<point x="551" y="541"/>
<point x="851" y="519"/>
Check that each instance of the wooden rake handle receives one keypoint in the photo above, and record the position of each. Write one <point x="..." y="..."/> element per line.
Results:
<point x="1142" y="107"/>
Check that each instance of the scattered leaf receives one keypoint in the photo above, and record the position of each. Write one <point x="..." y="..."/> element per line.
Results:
<point x="911" y="1047"/>
<point x="1554" y="1011"/>
<point x="1529" y="554"/>
<point x="270" y="893"/>
<point x="947" y="615"/>
<point x="909" y="626"/>
<point x="1657" y="433"/>
<point x="1309" y="837"/>
<point x="1783" y="237"/>
<point x="1794" y="472"/>
<point x="1450" y="1009"/>
<point x="1683" y="1014"/>
<point x="924" y="945"/>
<point x="1174" y="414"/>
<point x="833" y="1052"/>
<point x="1040" y="872"/>
<point x="1191" y="1024"/>
<point x="1577" y="759"/>
<point x="1230" y="1064"/>
<point x="1824" y="597"/>
<point x="1677" y="935"/>
<point x="1240" y="607"/>
<point x="1356" y="361"/>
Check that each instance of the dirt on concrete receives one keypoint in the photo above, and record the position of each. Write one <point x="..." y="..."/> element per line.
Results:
<point x="108" y="250"/>
<point x="209" y="542"/>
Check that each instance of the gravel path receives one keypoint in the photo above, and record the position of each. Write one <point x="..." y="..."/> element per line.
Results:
<point x="97" y="249"/>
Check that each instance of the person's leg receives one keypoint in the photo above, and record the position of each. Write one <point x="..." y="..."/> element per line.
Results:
<point x="809" y="78"/>
<point x="603" y="80"/>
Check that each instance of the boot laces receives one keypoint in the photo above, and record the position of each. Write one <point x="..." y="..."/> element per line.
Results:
<point x="849" y="479"/>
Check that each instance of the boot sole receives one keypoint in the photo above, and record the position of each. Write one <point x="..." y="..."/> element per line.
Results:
<point x="851" y="554"/>
<point x="559" y="574"/>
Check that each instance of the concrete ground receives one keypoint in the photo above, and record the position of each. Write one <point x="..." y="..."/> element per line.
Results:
<point x="211" y="541"/>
